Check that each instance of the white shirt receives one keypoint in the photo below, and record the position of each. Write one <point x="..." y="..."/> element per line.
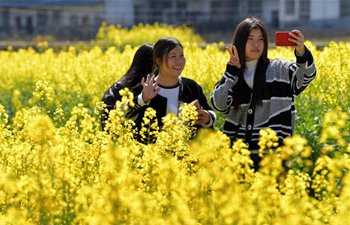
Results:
<point x="250" y="72"/>
<point x="172" y="95"/>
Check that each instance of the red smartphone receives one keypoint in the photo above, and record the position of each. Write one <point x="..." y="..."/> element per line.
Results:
<point x="282" y="39"/>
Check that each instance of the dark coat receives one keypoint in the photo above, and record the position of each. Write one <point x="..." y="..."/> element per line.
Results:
<point x="189" y="92"/>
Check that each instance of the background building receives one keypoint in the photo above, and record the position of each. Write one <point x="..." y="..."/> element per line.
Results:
<point x="60" y="18"/>
<point x="80" y="19"/>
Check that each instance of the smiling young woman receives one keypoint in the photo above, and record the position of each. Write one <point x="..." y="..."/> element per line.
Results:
<point x="165" y="91"/>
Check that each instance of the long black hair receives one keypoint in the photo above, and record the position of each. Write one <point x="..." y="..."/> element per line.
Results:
<point x="162" y="48"/>
<point x="142" y="64"/>
<point x="240" y="39"/>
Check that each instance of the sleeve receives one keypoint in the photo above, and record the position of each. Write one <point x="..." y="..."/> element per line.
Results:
<point x="222" y="96"/>
<point x="302" y="72"/>
<point x="205" y="105"/>
<point x="110" y="98"/>
<point x="139" y="103"/>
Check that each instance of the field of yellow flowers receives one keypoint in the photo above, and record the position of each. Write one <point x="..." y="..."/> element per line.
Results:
<point x="58" y="167"/>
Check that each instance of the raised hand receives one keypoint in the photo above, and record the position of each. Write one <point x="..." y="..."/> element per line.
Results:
<point x="298" y="38"/>
<point x="203" y="115"/>
<point x="150" y="88"/>
<point x="234" y="57"/>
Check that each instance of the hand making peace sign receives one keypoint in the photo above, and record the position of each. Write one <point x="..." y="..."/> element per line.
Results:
<point x="234" y="57"/>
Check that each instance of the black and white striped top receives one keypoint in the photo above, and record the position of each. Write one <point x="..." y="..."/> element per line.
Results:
<point x="284" y="81"/>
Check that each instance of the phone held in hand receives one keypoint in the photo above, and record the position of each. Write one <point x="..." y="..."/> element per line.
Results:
<point x="282" y="39"/>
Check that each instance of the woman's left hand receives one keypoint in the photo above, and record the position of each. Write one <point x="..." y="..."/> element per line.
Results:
<point x="298" y="38"/>
<point x="203" y="115"/>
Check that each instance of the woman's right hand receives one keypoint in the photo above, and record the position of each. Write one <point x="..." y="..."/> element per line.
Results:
<point x="234" y="57"/>
<point x="150" y="88"/>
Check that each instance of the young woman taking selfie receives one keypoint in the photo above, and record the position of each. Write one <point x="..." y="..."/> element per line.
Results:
<point x="256" y="92"/>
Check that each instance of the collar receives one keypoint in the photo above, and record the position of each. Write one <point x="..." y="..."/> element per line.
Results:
<point x="251" y="65"/>
<point x="171" y="86"/>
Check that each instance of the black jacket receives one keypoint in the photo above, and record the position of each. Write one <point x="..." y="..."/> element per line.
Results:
<point x="110" y="98"/>
<point x="189" y="91"/>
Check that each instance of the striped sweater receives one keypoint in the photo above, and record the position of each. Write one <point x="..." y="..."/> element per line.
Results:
<point x="284" y="81"/>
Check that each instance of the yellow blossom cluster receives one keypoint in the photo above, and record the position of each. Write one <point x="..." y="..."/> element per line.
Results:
<point x="58" y="167"/>
<point x="144" y="33"/>
<point x="78" y="174"/>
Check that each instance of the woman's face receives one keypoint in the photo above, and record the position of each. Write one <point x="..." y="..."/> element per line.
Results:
<point x="255" y="45"/>
<point x="173" y="64"/>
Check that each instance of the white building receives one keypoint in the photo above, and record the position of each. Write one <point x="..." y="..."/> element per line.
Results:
<point x="54" y="17"/>
<point x="319" y="13"/>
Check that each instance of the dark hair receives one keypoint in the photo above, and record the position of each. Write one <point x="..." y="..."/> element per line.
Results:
<point x="240" y="39"/>
<point x="142" y="64"/>
<point x="162" y="48"/>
